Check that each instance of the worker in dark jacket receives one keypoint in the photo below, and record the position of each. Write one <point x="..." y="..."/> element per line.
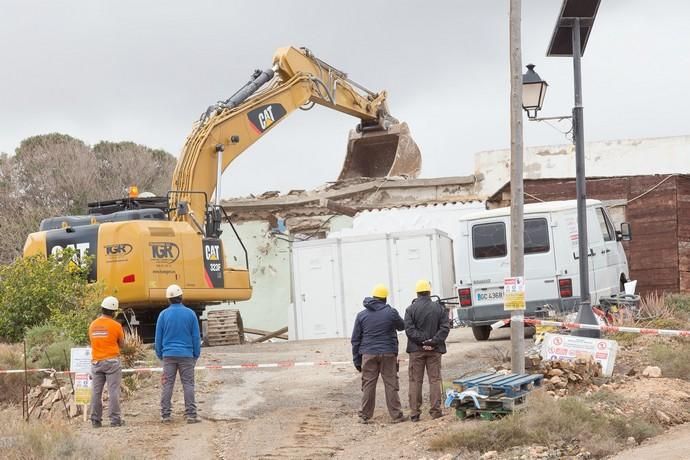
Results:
<point x="427" y="327"/>
<point x="375" y="351"/>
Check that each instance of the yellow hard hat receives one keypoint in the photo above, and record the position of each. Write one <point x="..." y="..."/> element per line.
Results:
<point x="380" y="291"/>
<point x="422" y="286"/>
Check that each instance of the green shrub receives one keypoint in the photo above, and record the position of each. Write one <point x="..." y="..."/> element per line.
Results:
<point x="38" y="338"/>
<point x="38" y="290"/>
<point x="58" y="355"/>
<point x="75" y="322"/>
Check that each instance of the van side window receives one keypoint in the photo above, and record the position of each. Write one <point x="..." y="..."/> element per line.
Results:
<point x="536" y="236"/>
<point x="489" y="240"/>
<point x="605" y="224"/>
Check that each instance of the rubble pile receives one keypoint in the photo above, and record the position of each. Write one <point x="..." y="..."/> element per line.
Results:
<point x="49" y="399"/>
<point x="563" y="377"/>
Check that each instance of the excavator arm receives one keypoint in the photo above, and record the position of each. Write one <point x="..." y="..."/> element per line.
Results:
<point x="379" y="147"/>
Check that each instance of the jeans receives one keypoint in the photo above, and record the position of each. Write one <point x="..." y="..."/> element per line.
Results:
<point x="171" y="366"/>
<point x="106" y="371"/>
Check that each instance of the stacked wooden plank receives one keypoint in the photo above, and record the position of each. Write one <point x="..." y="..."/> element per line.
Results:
<point x="224" y="327"/>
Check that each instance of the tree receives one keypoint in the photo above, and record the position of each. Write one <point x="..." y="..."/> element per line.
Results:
<point x="121" y="164"/>
<point x="56" y="174"/>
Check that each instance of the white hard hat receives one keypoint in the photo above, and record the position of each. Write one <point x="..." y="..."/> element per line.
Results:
<point x="173" y="291"/>
<point x="110" y="303"/>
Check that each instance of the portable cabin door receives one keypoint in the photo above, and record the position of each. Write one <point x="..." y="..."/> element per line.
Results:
<point x="317" y="292"/>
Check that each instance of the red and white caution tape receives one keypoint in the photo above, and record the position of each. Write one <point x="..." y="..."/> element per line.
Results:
<point x="244" y="366"/>
<point x="602" y="327"/>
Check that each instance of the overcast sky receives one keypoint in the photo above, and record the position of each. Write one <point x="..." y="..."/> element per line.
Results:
<point x="144" y="71"/>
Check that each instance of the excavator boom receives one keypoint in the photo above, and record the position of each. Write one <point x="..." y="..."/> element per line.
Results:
<point x="379" y="147"/>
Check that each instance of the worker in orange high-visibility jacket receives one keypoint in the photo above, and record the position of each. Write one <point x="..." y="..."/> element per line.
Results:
<point x="106" y="337"/>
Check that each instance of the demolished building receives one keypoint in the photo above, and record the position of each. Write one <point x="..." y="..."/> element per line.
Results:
<point x="653" y="195"/>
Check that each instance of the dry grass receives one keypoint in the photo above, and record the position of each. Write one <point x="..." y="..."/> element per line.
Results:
<point x="658" y="311"/>
<point x="665" y="311"/>
<point x="45" y="439"/>
<point x="133" y="350"/>
<point x="553" y="423"/>
<point x="672" y="358"/>
<point x="12" y="357"/>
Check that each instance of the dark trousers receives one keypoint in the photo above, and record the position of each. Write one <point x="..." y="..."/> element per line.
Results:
<point x="171" y="366"/>
<point x="386" y="365"/>
<point x="431" y="361"/>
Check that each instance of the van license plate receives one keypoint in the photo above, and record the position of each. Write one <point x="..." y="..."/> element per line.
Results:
<point x="490" y="296"/>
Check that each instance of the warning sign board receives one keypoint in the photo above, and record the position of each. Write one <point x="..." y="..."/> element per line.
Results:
<point x="514" y="293"/>
<point x="80" y="364"/>
<point x="82" y="388"/>
<point x="80" y="360"/>
<point x="568" y="348"/>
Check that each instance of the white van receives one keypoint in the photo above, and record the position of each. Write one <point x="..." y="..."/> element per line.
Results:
<point x="551" y="261"/>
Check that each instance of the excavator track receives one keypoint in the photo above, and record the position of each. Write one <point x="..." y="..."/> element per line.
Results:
<point x="223" y="327"/>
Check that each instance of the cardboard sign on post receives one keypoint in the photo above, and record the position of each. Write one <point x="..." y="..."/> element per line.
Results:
<point x="514" y="293"/>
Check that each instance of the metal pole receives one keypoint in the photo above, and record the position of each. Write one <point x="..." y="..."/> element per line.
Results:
<point x="26" y="401"/>
<point x="585" y="314"/>
<point x="220" y="148"/>
<point x="517" y="242"/>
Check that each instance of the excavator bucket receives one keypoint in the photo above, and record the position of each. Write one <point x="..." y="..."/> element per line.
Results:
<point x="392" y="152"/>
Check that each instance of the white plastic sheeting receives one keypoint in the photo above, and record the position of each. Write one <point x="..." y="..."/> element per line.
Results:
<point x="443" y="217"/>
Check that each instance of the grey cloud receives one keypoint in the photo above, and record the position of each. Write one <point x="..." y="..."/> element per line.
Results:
<point x="144" y="71"/>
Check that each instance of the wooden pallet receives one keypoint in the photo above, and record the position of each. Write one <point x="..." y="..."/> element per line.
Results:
<point x="492" y="384"/>
<point x="493" y="403"/>
<point x="484" y="414"/>
<point x="224" y="327"/>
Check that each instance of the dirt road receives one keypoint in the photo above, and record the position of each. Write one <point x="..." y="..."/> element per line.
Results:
<point x="305" y="413"/>
<point x="672" y="445"/>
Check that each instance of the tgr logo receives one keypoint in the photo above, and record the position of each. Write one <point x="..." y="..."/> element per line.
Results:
<point x="165" y="252"/>
<point x="118" y="249"/>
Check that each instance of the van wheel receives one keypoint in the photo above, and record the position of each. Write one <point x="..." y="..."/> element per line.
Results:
<point x="481" y="333"/>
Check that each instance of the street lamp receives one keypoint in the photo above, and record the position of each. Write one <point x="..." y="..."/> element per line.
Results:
<point x="569" y="39"/>
<point x="533" y="92"/>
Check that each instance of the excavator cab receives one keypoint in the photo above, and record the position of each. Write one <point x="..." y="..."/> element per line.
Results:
<point x="381" y="153"/>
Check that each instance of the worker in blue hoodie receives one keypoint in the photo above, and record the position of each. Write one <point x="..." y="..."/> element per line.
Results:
<point x="178" y="344"/>
<point x="375" y="351"/>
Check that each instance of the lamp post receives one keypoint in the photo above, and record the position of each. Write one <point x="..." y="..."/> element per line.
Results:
<point x="570" y="38"/>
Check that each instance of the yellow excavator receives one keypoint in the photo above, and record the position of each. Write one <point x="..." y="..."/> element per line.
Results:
<point x="141" y="244"/>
